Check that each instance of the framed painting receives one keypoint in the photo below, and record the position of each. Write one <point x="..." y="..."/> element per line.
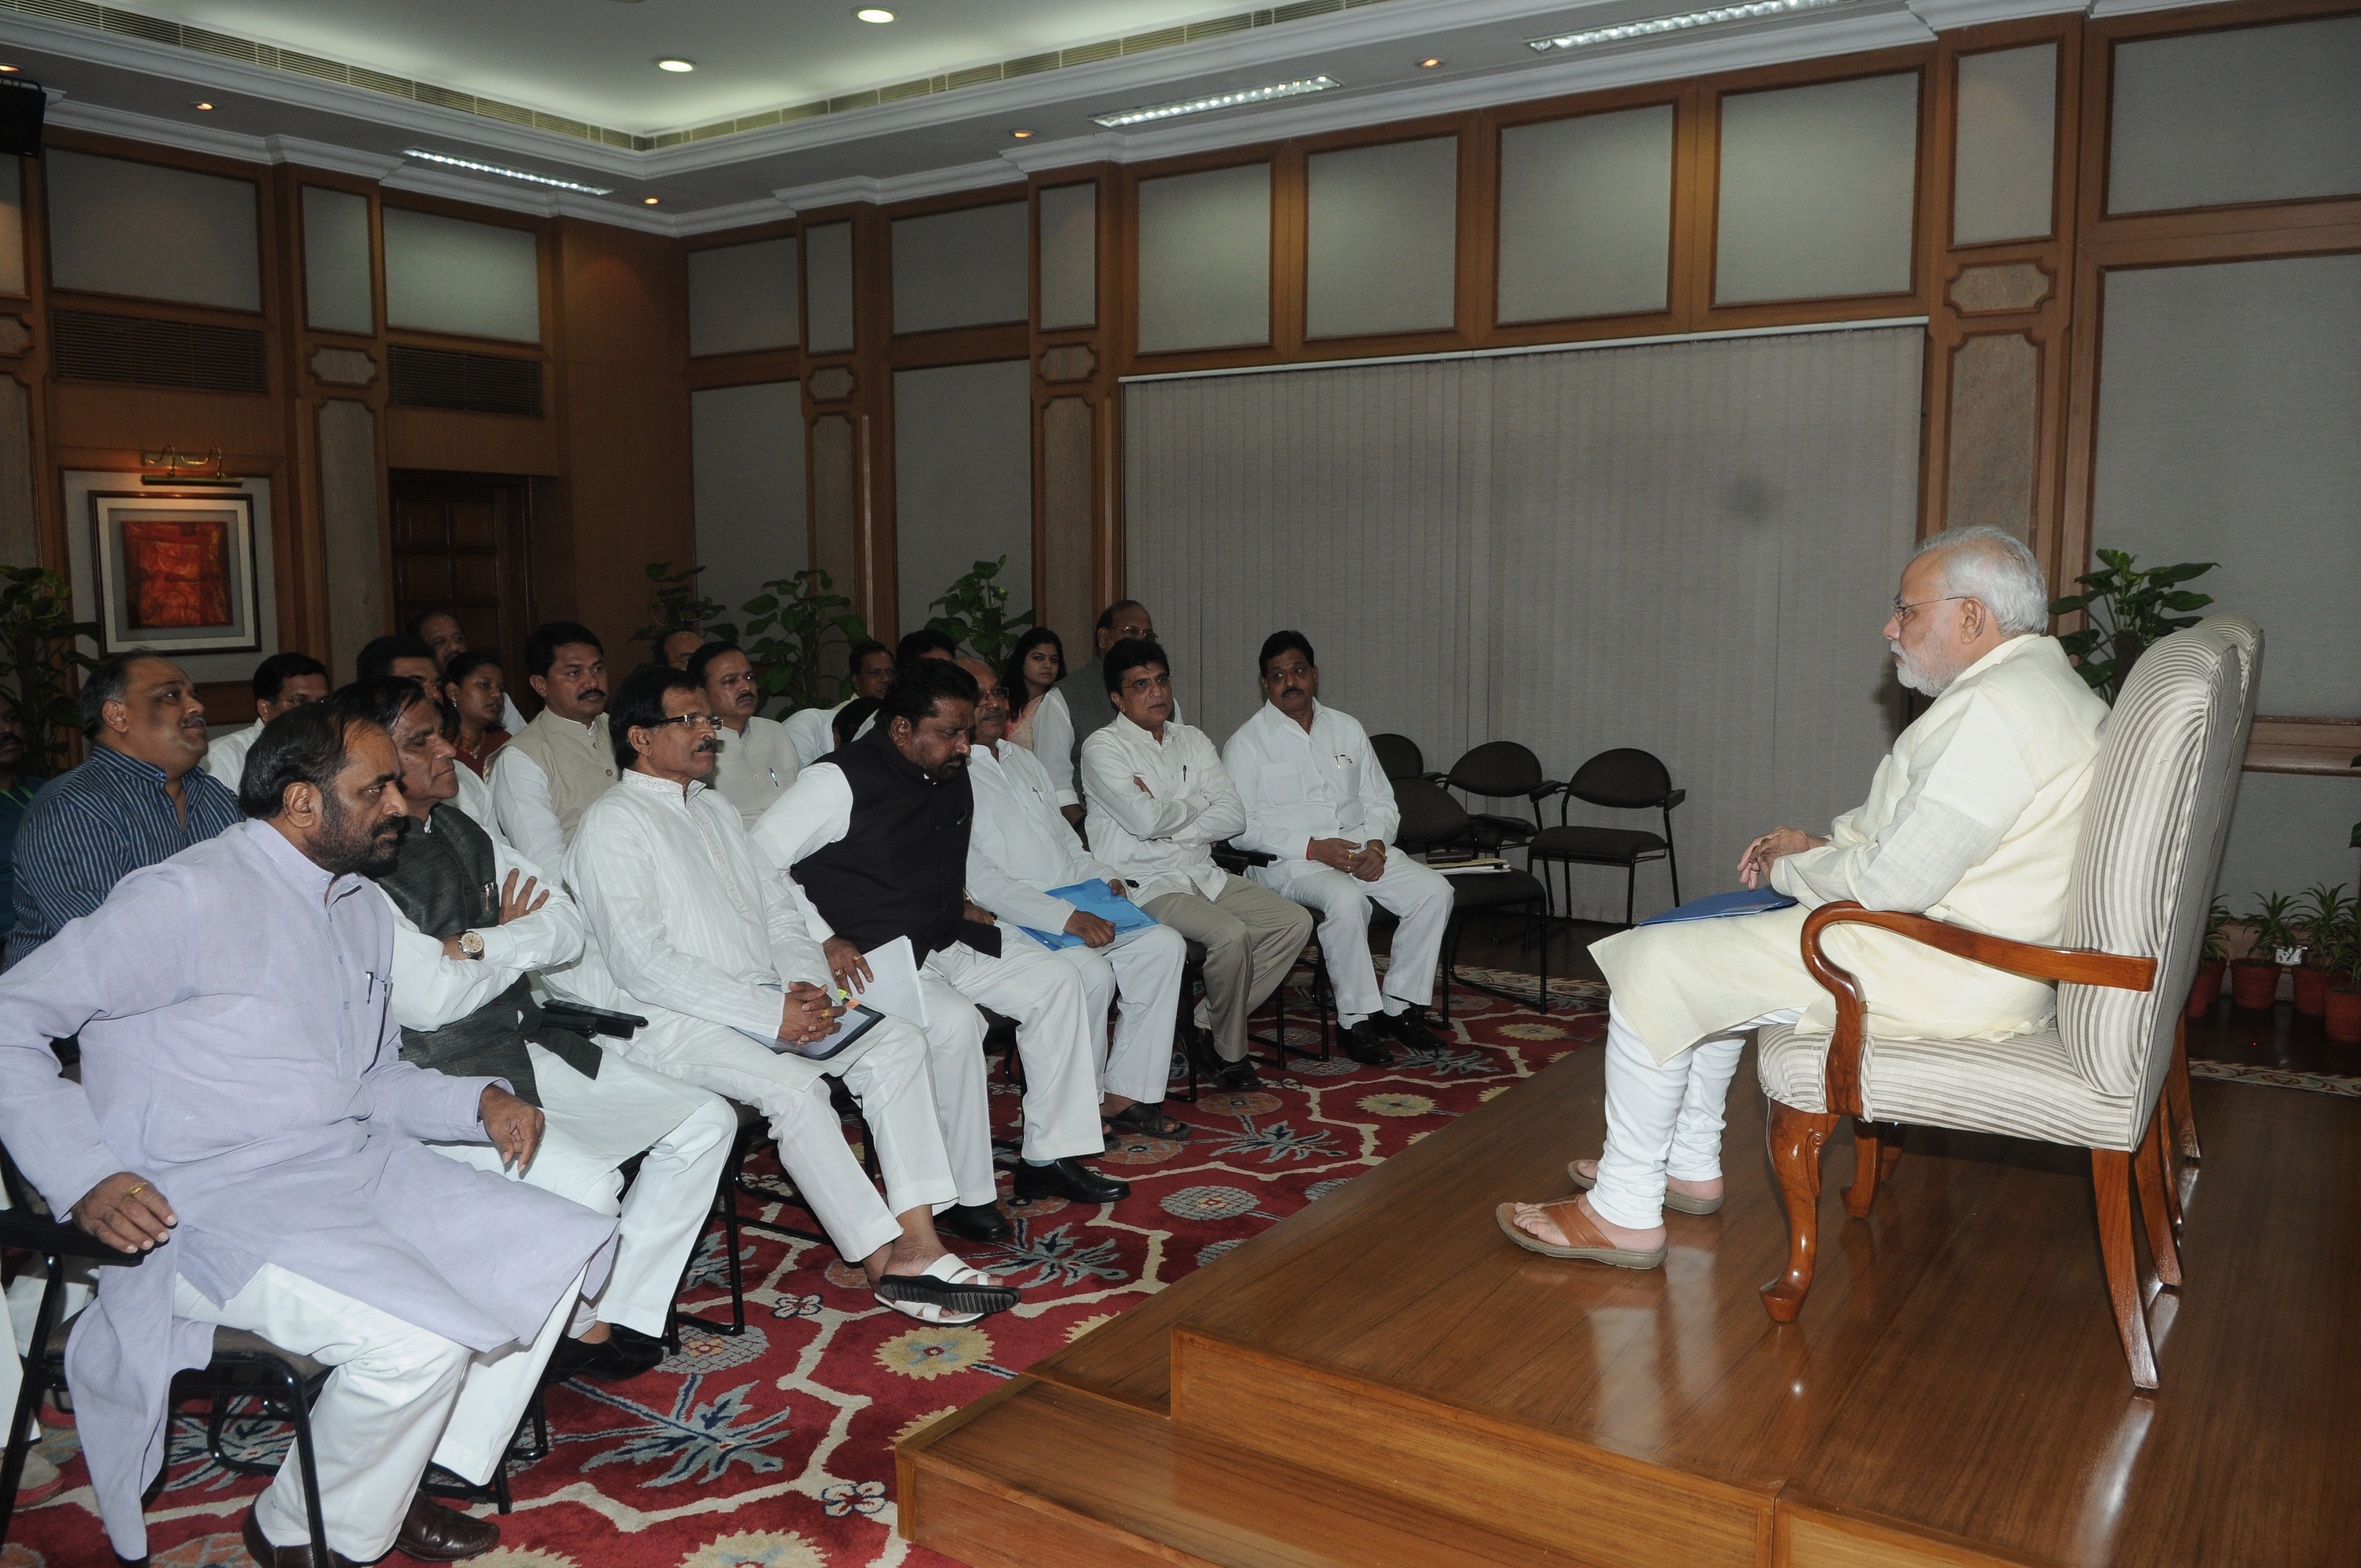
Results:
<point x="175" y="573"/>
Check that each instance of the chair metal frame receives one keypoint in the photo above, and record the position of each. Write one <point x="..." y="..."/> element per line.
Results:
<point x="1570" y="791"/>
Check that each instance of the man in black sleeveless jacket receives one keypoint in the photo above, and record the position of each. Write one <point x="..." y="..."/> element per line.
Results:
<point x="472" y="920"/>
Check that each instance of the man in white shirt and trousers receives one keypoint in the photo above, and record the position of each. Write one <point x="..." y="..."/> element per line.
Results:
<point x="1159" y="800"/>
<point x="1973" y="819"/>
<point x="1020" y="848"/>
<point x="757" y="761"/>
<point x="812" y="730"/>
<point x="472" y="921"/>
<point x="877" y="837"/>
<point x="551" y="771"/>
<point x="1317" y="800"/>
<point x="693" y="930"/>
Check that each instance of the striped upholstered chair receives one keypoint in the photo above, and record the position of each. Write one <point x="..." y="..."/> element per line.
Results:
<point x="2142" y="881"/>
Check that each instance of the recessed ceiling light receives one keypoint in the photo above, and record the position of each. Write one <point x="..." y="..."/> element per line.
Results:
<point x="526" y="175"/>
<point x="1117" y="118"/>
<point x="1429" y="62"/>
<point x="647" y="200"/>
<point x="1020" y="135"/>
<point x="877" y="14"/>
<point x="1680" y="23"/>
<point x="204" y="105"/>
<point x="676" y="65"/>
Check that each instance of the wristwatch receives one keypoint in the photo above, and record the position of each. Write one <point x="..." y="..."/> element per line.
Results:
<point x="472" y="944"/>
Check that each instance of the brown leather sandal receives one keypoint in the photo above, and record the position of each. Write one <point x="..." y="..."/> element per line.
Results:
<point x="1590" y="1245"/>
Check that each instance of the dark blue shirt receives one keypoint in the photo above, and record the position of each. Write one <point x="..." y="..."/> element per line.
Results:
<point x="93" y="825"/>
<point x="13" y="805"/>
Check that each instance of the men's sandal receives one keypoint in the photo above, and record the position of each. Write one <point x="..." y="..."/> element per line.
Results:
<point x="948" y="1292"/>
<point x="1590" y="1244"/>
<point x="1680" y="1200"/>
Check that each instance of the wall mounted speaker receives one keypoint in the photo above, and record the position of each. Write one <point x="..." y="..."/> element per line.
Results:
<point x="22" y="104"/>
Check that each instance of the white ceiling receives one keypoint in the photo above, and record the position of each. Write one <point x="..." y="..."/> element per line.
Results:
<point x="593" y="60"/>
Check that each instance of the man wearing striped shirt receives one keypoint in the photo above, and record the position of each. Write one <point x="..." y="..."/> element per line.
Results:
<point x="139" y="798"/>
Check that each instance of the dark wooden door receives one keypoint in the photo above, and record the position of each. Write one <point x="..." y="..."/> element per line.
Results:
<point x="459" y="545"/>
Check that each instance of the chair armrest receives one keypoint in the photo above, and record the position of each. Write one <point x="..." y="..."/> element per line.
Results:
<point x="2080" y="966"/>
<point x="1675" y="798"/>
<point x="1434" y="779"/>
<point x="1230" y="857"/>
<point x="55" y="1238"/>
<point x="1543" y="790"/>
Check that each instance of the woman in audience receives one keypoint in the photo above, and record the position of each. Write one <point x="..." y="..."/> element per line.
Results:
<point x="1038" y="719"/>
<point x="474" y="687"/>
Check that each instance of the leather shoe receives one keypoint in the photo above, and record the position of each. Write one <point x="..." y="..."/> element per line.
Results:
<point x="265" y="1555"/>
<point x="612" y="1360"/>
<point x="974" y="1221"/>
<point x="1411" y="1027"/>
<point x="1366" y="1046"/>
<point x="432" y="1533"/>
<point x="1239" y="1074"/>
<point x="1069" y="1178"/>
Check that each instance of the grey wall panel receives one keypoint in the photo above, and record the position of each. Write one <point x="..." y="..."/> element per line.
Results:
<point x="960" y="269"/>
<point x="962" y="480"/>
<point x="747" y="452"/>
<point x="1816" y="185"/>
<point x="2252" y="115"/>
<point x="118" y="227"/>
<point x="1204" y="259"/>
<point x="1587" y="215"/>
<point x="12" y="226"/>
<point x="2007" y="145"/>
<point x="1070" y="256"/>
<point x="449" y="275"/>
<point x="2228" y="399"/>
<point x="338" y="292"/>
<point x="743" y="297"/>
<point x="828" y="287"/>
<point x="1382" y="238"/>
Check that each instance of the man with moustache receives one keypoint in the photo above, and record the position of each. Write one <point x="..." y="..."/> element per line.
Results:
<point x="1085" y="691"/>
<point x="877" y="835"/>
<point x="280" y="682"/>
<point x="757" y="761"/>
<point x="440" y="629"/>
<point x="1319" y="802"/>
<point x="812" y="728"/>
<point x="1973" y="817"/>
<point x="140" y="798"/>
<point x="245" y="1120"/>
<point x="693" y="930"/>
<point x="473" y="921"/>
<point x="551" y="771"/>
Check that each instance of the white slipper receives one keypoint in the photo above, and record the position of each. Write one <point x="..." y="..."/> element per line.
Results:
<point x="947" y="1292"/>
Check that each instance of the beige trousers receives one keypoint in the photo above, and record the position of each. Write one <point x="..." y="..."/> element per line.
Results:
<point x="1251" y="937"/>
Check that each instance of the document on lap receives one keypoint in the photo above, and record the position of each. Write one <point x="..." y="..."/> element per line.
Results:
<point x="1092" y="898"/>
<point x="893" y="987"/>
<point x="1722" y="906"/>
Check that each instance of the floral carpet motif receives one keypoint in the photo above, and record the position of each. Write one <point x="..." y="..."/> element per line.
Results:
<point x="774" y="1449"/>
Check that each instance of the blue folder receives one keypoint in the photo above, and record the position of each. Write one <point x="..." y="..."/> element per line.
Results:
<point x="1092" y="898"/>
<point x="1722" y="905"/>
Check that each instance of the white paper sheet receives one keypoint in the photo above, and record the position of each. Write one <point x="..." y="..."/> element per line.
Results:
<point x="892" y="988"/>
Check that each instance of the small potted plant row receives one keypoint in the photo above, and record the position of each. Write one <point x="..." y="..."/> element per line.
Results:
<point x="2254" y="979"/>
<point x="2323" y="913"/>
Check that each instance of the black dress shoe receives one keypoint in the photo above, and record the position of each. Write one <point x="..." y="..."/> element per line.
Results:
<point x="432" y="1533"/>
<point x="1366" y="1046"/>
<point x="1411" y="1027"/>
<point x="1069" y="1178"/>
<point x="612" y="1360"/>
<point x="266" y="1555"/>
<point x="974" y="1221"/>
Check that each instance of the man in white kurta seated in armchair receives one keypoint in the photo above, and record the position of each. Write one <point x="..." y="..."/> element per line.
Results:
<point x="1972" y="819"/>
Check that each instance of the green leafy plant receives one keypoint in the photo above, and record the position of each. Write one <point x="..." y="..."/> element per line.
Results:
<point x="674" y="604"/>
<point x="2216" y="945"/>
<point x="788" y="626"/>
<point x="2126" y="610"/>
<point x="2338" y="949"/>
<point x="38" y="648"/>
<point x="972" y="616"/>
<point x="2275" y="931"/>
<point x="2322" y="909"/>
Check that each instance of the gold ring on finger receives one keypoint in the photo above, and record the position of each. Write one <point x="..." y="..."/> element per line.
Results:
<point x="137" y="1191"/>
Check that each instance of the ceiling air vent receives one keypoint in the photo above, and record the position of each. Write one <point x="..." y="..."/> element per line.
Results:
<point x="473" y="383"/>
<point x="142" y="351"/>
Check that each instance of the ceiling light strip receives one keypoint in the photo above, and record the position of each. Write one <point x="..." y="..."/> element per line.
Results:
<point x="1712" y="16"/>
<point x="1117" y="119"/>
<point x="554" y="183"/>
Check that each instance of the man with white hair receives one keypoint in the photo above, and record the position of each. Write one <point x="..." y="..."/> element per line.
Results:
<point x="1973" y="819"/>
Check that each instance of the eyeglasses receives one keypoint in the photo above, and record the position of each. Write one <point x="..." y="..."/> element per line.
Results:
<point x="710" y="720"/>
<point x="1902" y="612"/>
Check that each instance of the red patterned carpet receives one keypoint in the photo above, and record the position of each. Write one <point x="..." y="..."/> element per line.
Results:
<point x="774" y="1450"/>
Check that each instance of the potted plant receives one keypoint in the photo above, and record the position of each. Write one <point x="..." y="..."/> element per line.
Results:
<point x="2322" y="913"/>
<point x="974" y="616"/>
<point x="2126" y="610"/>
<point x="787" y="626"/>
<point x="2254" y="979"/>
<point x="38" y="654"/>
<point x="2342" y="1009"/>
<point x="2213" y="962"/>
<point x="675" y="605"/>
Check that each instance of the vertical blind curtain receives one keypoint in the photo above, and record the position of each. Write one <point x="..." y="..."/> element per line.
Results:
<point x="1685" y="547"/>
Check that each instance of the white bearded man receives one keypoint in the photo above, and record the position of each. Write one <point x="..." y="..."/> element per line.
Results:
<point x="1973" y="819"/>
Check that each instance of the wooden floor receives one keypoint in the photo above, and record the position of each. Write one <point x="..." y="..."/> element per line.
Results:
<point x="1384" y="1379"/>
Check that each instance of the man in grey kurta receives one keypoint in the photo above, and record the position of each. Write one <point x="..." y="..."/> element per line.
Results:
<point x="245" y="1120"/>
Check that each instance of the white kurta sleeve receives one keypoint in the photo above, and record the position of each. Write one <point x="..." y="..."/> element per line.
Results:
<point x="1380" y="814"/>
<point x="1110" y="782"/>
<point x="510" y="719"/>
<point x="1053" y="746"/>
<point x="430" y="990"/>
<point x="794" y="928"/>
<point x="617" y="888"/>
<point x="991" y="885"/>
<point x="1224" y="813"/>
<point x="522" y="805"/>
<point x="550" y="936"/>
<point x="1272" y="828"/>
<point x="815" y="812"/>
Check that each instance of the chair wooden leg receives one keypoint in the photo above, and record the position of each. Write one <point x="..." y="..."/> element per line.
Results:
<point x="2176" y="1088"/>
<point x="2111" y="1179"/>
<point x="2154" y="1182"/>
<point x="2168" y="1149"/>
<point x="1796" y="1139"/>
<point x="1876" y="1150"/>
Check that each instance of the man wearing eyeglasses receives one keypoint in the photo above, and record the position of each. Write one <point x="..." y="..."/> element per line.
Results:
<point x="1973" y="817"/>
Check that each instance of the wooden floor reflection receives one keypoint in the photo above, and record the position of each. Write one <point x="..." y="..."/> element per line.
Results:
<point x="1383" y="1378"/>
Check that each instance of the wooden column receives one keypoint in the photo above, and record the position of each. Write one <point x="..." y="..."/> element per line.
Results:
<point x="1077" y="522"/>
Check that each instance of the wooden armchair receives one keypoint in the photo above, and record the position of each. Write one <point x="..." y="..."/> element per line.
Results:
<point x="2142" y="879"/>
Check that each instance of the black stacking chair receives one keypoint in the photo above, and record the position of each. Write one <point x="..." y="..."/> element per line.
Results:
<point x="753" y="1131"/>
<point x="1495" y="771"/>
<point x="1399" y="756"/>
<point x="1627" y="779"/>
<point x="1431" y="820"/>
